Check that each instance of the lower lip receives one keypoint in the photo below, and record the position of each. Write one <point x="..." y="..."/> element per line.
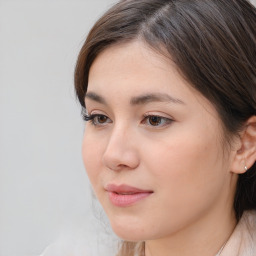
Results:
<point x="127" y="200"/>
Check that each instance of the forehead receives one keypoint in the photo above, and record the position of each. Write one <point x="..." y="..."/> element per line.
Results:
<point x="133" y="68"/>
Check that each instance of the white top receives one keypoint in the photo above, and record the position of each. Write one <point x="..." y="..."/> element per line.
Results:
<point x="243" y="240"/>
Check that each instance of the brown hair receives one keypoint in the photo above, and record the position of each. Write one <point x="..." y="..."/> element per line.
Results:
<point x="212" y="43"/>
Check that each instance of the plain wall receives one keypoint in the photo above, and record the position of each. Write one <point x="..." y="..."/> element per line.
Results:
<point x="45" y="196"/>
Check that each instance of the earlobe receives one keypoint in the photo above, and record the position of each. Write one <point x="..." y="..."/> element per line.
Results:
<point x="245" y="155"/>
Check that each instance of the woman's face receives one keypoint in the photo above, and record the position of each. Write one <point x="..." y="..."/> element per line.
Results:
<point x="153" y="150"/>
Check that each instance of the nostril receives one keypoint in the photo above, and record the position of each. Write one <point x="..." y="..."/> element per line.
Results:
<point x="122" y="166"/>
<point x="117" y="167"/>
<point x="119" y="161"/>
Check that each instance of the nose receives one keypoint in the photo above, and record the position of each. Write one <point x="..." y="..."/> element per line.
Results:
<point x="121" y="152"/>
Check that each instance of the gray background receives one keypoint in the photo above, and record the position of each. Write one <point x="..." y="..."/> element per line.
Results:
<point x="45" y="197"/>
<point x="44" y="192"/>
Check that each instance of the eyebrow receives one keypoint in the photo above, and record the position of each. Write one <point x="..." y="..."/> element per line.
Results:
<point x="95" y="97"/>
<point x="154" y="97"/>
<point x="139" y="100"/>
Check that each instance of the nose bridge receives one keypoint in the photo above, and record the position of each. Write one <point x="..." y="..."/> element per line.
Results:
<point x="121" y="151"/>
<point x="119" y="134"/>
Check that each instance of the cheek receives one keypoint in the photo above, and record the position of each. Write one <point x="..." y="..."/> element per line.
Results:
<point x="186" y="168"/>
<point x="188" y="179"/>
<point x="182" y="149"/>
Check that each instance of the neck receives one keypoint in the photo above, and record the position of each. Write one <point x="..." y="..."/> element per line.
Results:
<point x="204" y="237"/>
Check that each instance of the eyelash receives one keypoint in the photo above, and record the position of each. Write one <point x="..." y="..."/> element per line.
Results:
<point x="91" y="119"/>
<point x="146" y="118"/>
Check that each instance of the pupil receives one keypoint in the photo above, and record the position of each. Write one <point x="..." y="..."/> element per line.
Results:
<point x="155" y="120"/>
<point x="101" y="119"/>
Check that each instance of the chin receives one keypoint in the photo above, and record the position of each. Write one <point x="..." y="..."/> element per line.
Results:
<point x="129" y="235"/>
<point x="130" y="229"/>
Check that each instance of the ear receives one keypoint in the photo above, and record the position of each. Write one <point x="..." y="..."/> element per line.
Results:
<point x="245" y="154"/>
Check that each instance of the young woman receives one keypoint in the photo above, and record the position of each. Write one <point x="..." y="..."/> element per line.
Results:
<point x="168" y="88"/>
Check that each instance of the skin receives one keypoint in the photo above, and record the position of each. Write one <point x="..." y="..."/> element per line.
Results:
<point x="181" y="158"/>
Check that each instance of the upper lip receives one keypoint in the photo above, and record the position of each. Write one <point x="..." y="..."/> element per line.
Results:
<point x="123" y="188"/>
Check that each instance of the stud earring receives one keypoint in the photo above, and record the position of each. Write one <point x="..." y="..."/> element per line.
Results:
<point x="245" y="167"/>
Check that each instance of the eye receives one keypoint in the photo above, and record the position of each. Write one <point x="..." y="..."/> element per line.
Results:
<point x="97" y="119"/>
<point x="156" y="121"/>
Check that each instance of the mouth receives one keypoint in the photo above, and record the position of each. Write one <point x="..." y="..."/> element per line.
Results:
<point x="125" y="195"/>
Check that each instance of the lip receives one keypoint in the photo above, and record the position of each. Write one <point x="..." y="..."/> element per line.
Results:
<point x="125" y="195"/>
